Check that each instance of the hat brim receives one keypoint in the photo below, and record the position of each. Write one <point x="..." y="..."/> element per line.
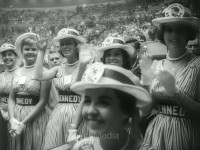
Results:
<point x="192" y="21"/>
<point x="8" y="49"/>
<point x="18" y="42"/>
<point x="130" y="50"/>
<point x="79" y="39"/>
<point x="142" y="96"/>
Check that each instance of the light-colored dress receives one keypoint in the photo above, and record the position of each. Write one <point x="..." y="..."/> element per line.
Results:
<point x="5" y="87"/>
<point x="172" y="128"/>
<point x="32" y="136"/>
<point x="61" y="117"/>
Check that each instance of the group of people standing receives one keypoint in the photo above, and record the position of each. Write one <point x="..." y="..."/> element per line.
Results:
<point x="99" y="105"/>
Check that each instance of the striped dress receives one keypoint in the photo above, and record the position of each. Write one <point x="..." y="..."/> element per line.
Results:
<point x="61" y="117"/>
<point x="32" y="136"/>
<point x="172" y="128"/>
<point x="5" y="87"/>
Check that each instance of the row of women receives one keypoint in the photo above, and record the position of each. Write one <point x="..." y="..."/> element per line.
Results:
<point x="103" y="98"/>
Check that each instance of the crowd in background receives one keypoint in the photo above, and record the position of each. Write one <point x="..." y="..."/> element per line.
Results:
<point x="94" y="22"/>
<point x="69" y="72"/>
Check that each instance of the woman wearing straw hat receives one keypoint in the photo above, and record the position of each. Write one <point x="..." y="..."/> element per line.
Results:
<point x="63" y="77"/>
<point x="9" y="58"/>
<point x="113" y="52"/>
<point x="27" y="99"/>
<point x="111" y="99"/>
<point x="176" y="84"/>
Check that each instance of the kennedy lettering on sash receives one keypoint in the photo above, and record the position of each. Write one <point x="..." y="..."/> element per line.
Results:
<point x="69" y="97"/>
<point x="27" y="99"/>
<point x="172" y="110"/>
<point x="24" y="101"/>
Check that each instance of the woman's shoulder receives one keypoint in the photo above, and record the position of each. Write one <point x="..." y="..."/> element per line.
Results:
<point x="195" y="60"/>
<point x="84" y="144"/>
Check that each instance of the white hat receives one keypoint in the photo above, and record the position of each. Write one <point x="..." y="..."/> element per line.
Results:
<point x="18" y="42"/>
<point x="115" y="42"/>
<point x="99" y="75"/>
<point x="69" y="33"/>
<point x="7" y="47"/>
<point x="177" y="13"/>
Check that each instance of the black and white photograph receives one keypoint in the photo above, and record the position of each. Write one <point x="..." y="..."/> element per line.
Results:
<point x="99" y="75"/>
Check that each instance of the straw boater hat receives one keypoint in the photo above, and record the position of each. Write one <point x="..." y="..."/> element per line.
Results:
<point x="115" y="42"/>
<point x="99" y="75"/>
<point x="69" y="33"/>
<point x="18" y="42"/>
<point x="176" y="13"/>
<point x="8" y="47"/>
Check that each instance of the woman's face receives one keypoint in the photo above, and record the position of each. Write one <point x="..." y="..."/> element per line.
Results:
<point x="30" y="52"/>
<point x="68" y="47"/>
<point x="102" y="112"/>
<point x="114" y="57"/>
<point x="9" y="58"/>
<point x="175" y="35"/>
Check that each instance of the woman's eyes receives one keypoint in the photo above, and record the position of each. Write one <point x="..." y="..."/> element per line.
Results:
<point x="169" y="30"/>
<point x="87" y="100"/>
<point x="62" y="44"/>
<point x="65" y="44"/>
<point x="104" y="102"/>
<point x="33" y="49"/>
<point x="115" y="54"/>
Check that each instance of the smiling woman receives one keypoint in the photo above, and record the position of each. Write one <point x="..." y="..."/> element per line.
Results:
<point x="9" y="58"/>
<point x="176" y="84"/>
<point x="63" y="77"/>
<point x="27" y="99"/>
<point x="111" y="100"/>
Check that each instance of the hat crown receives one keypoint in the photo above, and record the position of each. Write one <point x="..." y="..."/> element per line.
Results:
<point x="7" y="46"/>
<point x="67" y="31"/>
<point x="98" y="70"/>
<point x="109" y="41"/>
<point x="176" y="10"/>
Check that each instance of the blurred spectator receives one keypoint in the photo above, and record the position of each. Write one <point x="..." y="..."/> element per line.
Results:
<point x="54" y="59"/>
<point x="194" y="46"/>
<point x="135" y="58"/>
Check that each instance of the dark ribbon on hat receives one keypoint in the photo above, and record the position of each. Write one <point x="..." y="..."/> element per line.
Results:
<point x="117" y="76"/>
<point x="72" y="32"/>
<point x="118" y="41"/>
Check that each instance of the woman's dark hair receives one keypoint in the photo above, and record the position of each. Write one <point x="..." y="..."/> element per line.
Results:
<point x="190" y="32"/>
<point x="77" y="49"/>
<point x="126" y="59"/>
<point x="127" y="102"/>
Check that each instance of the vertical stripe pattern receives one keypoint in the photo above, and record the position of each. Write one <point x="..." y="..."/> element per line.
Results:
<point x="63" y="114"/>
<point x="169" y="131"/>
<point x="32" y="136"/>
<point x="5" y="87"/>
